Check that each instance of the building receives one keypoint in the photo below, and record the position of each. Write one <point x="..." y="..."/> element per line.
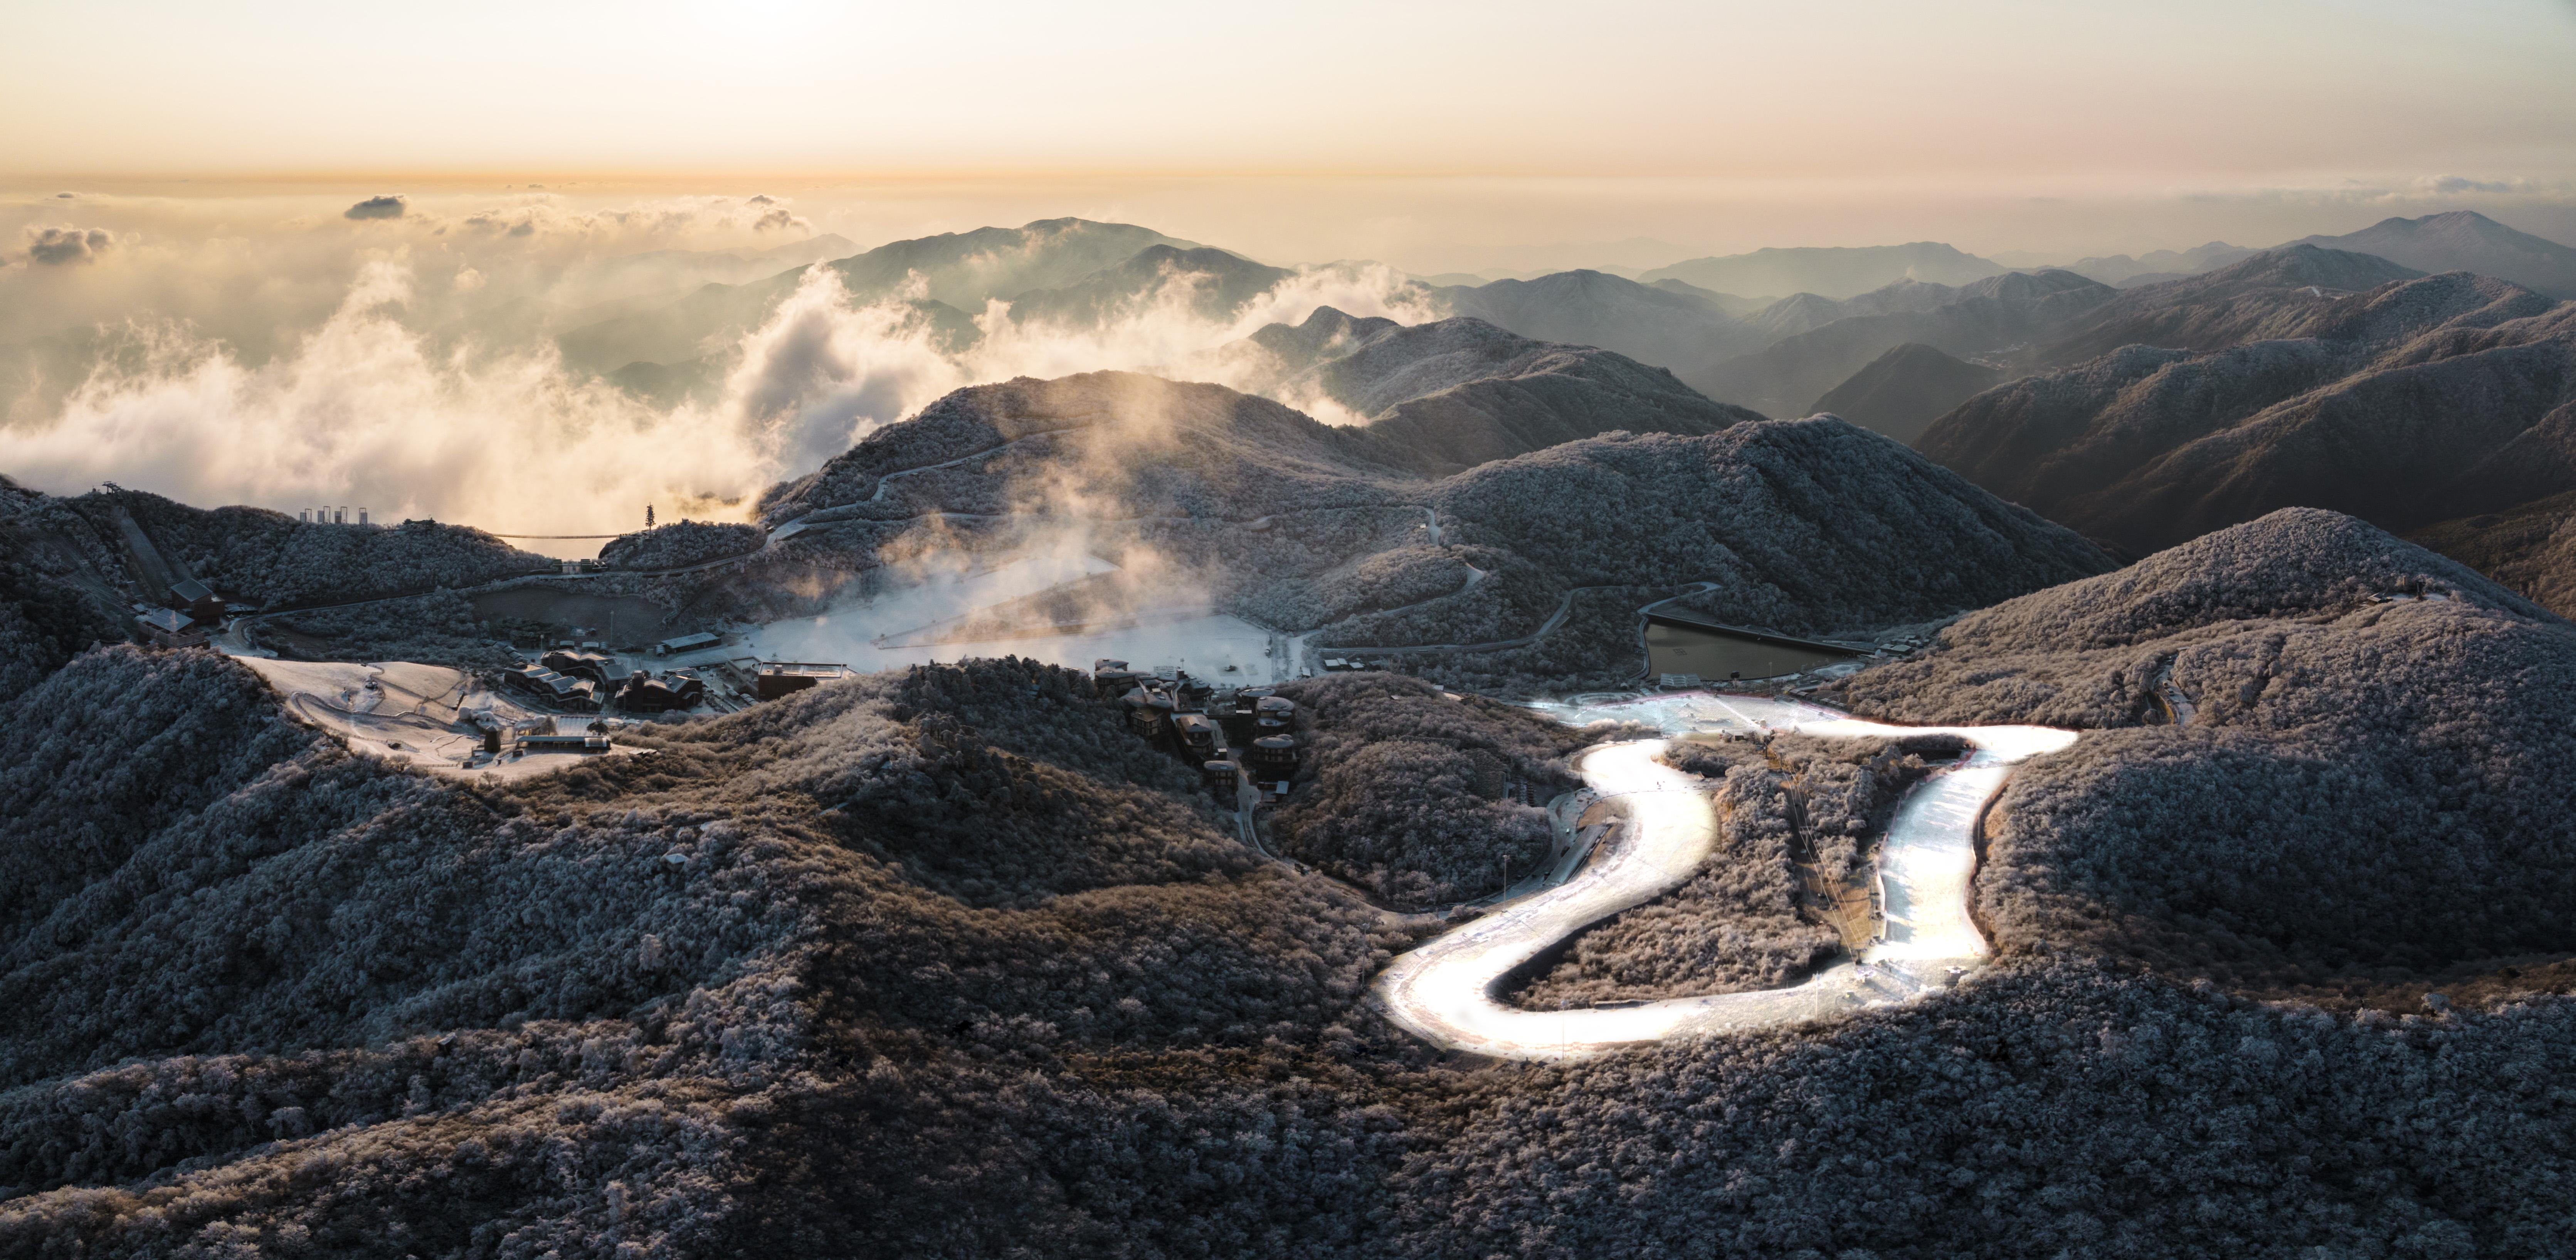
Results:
<point x="1687" y="645"/>
<point x="1237" y="714"/>
<point x="168" y="627"/>
<point x="608" y="671"/>
<point x="1202" y="740"/>
<point x="580" y="695"/>
<point x="686" y="643"/>
<point x="564" y="735"/>
<point x="1273" y="715"/>
<point x="785" y="678"/>
<point x="196" y="599"/>
<point x="678" y="689"/>
<point x="1112" y="678"/>
<point x="1272" y="762"/>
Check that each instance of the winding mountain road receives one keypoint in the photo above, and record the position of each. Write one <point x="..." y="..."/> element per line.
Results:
<point x="1445" y="991"/>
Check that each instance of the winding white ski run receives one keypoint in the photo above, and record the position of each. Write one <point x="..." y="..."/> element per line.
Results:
<point x="1444" y="990"/>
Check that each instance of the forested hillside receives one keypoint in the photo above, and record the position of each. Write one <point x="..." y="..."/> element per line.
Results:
<point x="1738" y="924"/>
<point x="1420" y="798"/>
<point x="2529" y="548"/>
<point x="946" y="962"/>
<point x="2349" y="798"/>
<point x="1807" y="526"/>
<point x="2413" y="402"/>
<point x="135" y="545"/>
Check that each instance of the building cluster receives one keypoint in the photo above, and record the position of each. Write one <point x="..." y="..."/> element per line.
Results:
<point x="586" y="682"/>
<point x="188" y="610"/>
<point x="1236" y="736"/>
<point x="328" y="516"/>
<point x="551" y="733"/>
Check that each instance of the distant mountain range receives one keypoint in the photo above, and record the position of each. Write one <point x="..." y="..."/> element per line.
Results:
<point x="2459" y="240"/>
<point x="1065" y="266"/>
<point x="2413" y="401"/>
<point x="2266" y="295"/>
<point x="2330" y="372"/>
<point x="1671" y="324"/>
<point x="1446" y="396"/>
<point x="1828" y="272"/>
<point x="2121" y="271"/>
<point x="1988" y="316"/>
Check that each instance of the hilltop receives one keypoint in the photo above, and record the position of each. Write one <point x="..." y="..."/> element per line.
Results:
<point x="2284" y="712"/>
<point x="2464" y="240"/>
<point x="1903" y="391"/>
<point x="958" y="271"/>
<point x="1805" y="525"/>
<point x="1445" y="396"/>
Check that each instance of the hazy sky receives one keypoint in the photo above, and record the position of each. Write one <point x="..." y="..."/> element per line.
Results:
<point x="1438" y="134"/>
<point x="188" y="304"/>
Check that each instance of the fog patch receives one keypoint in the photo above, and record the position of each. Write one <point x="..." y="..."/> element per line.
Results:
<point x="401" y="397"/>
<point x="361" y="413"/>
<point x="821" y="373"/>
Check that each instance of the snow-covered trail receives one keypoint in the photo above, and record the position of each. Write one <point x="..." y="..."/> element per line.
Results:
<point x="1444" y="990"/>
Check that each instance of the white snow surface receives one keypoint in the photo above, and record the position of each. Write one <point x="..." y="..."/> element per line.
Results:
<point x="1444" y="991"/>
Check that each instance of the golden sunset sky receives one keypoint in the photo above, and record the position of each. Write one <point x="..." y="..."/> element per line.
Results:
<point x="1439" y="133"/>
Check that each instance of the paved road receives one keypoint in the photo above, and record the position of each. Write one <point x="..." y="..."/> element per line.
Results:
<point x="1444" y="990"/>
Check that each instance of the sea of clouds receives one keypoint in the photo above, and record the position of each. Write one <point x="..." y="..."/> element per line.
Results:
<point x="400" y="356"/>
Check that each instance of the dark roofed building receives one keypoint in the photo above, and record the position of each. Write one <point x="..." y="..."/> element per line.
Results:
<point x="678" y="689"/>
<point x="168" y="627"/>
<point x="686" y="643"/>
<point x="195" y="598"/>
<point x="782" y="678"/>
<point x="1682" y="646"/>
<point x="579" y="694"/>
<point x="607" y="671"/>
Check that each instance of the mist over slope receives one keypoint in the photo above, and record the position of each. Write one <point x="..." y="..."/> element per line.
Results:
<point x="1444" y="396"/>
<point x="953" y="272"/>
<point x="1803" y="525"/>
<point x="518" y="398"/>
<point x="2411" y="402"/>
